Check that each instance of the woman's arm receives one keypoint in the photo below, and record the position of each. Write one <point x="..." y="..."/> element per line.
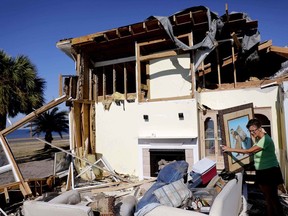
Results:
<point x="253" y="149"/>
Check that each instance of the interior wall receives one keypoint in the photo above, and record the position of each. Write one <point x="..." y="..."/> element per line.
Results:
<point x="170" y="77"/>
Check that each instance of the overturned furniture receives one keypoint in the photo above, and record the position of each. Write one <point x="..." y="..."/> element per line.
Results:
<point x="66" y="204"/>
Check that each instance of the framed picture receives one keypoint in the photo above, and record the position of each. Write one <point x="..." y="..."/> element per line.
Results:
<point x="61" y="163"/>
<point x="235" y="135"/>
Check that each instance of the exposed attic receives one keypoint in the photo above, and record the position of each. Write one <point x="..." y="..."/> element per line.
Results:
<point x="231" y="60"/>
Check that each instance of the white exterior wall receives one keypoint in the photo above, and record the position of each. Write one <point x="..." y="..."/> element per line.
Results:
<point x="119" y="130"/>
<point x="123" y="132"/>
<point x="117" y="135"/>
<point x="266" y="97"/>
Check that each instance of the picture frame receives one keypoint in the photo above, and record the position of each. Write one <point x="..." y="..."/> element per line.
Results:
<point x="61" y="164"/>
<point x="234" y="134"/>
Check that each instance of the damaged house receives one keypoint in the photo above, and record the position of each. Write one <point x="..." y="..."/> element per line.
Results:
<point x="151" y="91"/>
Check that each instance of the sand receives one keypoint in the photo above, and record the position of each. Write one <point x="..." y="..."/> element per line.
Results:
<point x="31" y="158"/>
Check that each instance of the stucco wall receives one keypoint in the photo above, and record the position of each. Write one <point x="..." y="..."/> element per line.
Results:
<point x="118" y="130"/>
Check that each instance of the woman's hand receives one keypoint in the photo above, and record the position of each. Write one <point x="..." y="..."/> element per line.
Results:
<point x="225" y="148"/>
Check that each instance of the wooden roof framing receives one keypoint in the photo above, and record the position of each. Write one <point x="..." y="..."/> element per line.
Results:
<point x="120" y="42"/>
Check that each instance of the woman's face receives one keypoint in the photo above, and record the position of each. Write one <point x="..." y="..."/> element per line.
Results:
<point x="254" y="131"/>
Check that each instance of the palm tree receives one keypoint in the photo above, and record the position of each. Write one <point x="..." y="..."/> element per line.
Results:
<point x="49" y="122"/>
<point x="21" y="90"/>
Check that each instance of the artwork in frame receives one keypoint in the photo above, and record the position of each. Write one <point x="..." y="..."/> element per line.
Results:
<point x="234" y="134"/>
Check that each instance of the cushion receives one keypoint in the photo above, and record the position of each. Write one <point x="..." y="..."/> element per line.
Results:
<point x="174" y="194"/>
<point x="173" y="171"/>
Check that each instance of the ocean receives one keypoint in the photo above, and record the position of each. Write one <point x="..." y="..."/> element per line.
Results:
<point x="25" y="133"/>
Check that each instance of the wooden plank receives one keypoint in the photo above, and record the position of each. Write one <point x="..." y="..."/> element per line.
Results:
<point x="86" y="77"/>
<point x="12" y="185"/>
<point x="92" y="128"/>
<point x="69" y="178"/>
<point x="104" y="185"/>
<point x="123" y="186"/>
<point x="138" y="71"/>
<point x="148" y="80"/>
<point x="7" y="200"/>
<point x="236" y="40"/>
<point x="218" y="66"/>
<point x="158" y="55"/>
<point x="33" y="115"/>
<point x="125" y="81"/>
<point x="265" y="45"/>
<point x="104" y="83"/>
<point x="114" y="79"/>
<point x="114" y="61"/>
<point x="283" y="51"/>
<point x="234" y="67"/>
<point x="86" y="126"/>
<point x="15" y="169"/>
<point x="76" y="111"/>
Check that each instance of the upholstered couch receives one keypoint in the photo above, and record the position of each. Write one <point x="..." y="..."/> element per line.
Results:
<point x="66" y="204"/>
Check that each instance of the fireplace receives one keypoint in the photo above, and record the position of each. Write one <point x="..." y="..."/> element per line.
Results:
<point x="154" y="150"/>
<point x="159" y="157"/>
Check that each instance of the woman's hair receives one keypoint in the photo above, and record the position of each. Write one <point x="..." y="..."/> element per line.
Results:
<point x="254" y="122"/>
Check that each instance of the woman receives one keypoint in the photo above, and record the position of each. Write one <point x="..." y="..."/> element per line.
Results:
<point x="268" y="173"/>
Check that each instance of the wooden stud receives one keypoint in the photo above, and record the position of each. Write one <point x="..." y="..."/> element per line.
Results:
<point x="236" y="40"/>
<point x="227" y="13"/>
<point x="104" y="83"/>
<point x="218" y="66"/>
<point x="114" y="79"/>
<point x="125" y="81"/>
<point x="85" y="126"/>
<point x="234" y="67"/>
<point x="148" y="80"/>
<point x="92" y="128"/>
<point x="203" y="77"/>
<point x="138" y="75"/>
<point x="77" y="125"/>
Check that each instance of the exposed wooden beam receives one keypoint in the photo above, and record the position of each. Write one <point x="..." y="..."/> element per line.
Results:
<point x="283" y="51"/>
<point x="34" y="114"/>
<point x="115" y="61"/>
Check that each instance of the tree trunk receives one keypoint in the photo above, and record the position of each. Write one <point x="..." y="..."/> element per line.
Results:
<point x="48" y="138"/>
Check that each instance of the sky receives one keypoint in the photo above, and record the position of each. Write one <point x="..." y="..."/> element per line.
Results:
<point x="33" y="27"/>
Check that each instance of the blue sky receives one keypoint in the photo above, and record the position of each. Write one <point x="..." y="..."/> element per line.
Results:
<point x="34" y="27"/>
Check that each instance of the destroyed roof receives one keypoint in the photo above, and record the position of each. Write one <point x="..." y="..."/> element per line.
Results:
<point x="119" y="42"/>
<point x="250" y="57"/>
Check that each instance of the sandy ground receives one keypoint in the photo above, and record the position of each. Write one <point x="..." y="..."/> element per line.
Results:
<point x="31" y="158"/>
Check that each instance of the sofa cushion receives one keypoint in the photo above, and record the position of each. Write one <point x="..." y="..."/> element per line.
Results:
<point x="173" y="194"/>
